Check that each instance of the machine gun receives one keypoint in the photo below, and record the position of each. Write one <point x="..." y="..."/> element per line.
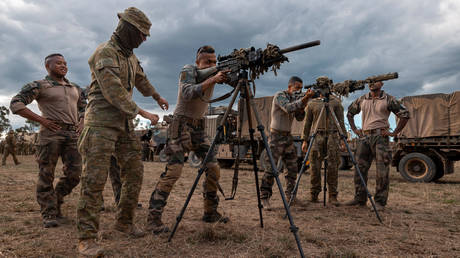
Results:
<point x="346" y="87"/>
<point x="257" y="61"/>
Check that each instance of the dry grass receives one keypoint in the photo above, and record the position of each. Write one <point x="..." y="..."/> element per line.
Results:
<point x="420" y="220"/>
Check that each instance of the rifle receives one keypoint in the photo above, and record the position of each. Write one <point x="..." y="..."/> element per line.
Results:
<point x="346" y="87"/>
<point x="257" y="61"/>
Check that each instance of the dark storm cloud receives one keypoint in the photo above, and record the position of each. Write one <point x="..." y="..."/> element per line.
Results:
<point x="420" y="40"/>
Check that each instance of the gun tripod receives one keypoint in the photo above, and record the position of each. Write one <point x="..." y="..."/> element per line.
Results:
<point x="243" y="88"/>
<point x="326" y="109"/>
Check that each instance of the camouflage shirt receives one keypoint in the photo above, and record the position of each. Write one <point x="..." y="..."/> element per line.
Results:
<point x="375" y="111"/>
<point x="190" y="97"/>
<point x="284" y="108"/>
<point x="63" y="103"/>
<point x="313" y="111"/>
<point x="115" y="72"/>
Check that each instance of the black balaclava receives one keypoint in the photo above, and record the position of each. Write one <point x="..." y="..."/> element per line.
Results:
<point x="128" y="35"/>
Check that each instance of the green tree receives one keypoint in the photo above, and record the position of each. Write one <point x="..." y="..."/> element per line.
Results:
<point x="4" y="121"/>
<point x="32" y="126"/>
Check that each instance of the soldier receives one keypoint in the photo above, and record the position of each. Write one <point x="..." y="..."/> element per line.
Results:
<point x="62" y="105"/>
<point x="10" y="148"/>
<point x="186" y="132"/>
<point x="145" y="150"/>
<point x="374" y="140"/>
<point x="109" y="130"/>
<point x="320" y="150"/>
<point x="284" y="108"/>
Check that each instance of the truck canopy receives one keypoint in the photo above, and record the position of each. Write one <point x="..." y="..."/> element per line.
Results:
<point x="432" y="115"/>
<point x="264" y="107"/>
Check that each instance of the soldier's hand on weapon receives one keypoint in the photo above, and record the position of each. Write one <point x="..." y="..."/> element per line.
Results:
<point x="221" y="76"/>
<point x="308" y="95"/>
<point x="147" y="115"/>
<point x="163" y="103"/>
<point x="304" y="146"/>
<point x="50" y="125"/>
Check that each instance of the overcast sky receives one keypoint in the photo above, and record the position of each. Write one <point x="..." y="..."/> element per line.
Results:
<point x="418" y="39"/>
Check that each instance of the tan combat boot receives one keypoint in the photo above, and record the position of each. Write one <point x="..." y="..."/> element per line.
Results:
<point x="155" y="225"/>
<point x="129" y="229"/>
<point x="314" y="197"/>
<point x="89" y="247"/>
<point x="333" y="200"/>
<point x="355" y="202"/>
<point x="50" y="222"/>
<point x="266" y="204"/>
<point x="214" y="216"/>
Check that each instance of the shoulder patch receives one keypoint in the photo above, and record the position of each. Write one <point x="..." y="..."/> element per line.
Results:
<point x="105" y="62"/>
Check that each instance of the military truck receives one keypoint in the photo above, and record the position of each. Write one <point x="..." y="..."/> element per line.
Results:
<point x="427" y="148"/>
<point x="227" y="150"/>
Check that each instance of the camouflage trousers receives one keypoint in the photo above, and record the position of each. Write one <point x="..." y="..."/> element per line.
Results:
<point x="97" y="145"/>
<point x="114" y="175"/>
<point x="319" y="151"/>
<point x="369" y="147"/>
<point x="51" y="146"/>
<point x="6" y="153"/>
<point x="185" y="137"/>
<point x="281" y="146"/>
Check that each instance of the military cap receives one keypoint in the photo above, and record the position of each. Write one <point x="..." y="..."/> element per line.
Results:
<point x="11" y="132"/>
<point x="137" y="18"/>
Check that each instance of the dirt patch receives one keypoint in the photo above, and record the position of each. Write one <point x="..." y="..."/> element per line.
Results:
<point x="420" y="220"/>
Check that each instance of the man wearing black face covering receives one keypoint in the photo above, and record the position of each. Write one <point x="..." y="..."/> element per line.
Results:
<point x="109" y="129"/>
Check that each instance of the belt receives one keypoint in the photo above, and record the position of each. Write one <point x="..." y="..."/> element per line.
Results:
<point x="377" y="131"/>
<point x="192" y="121"/>
<point x="66" y="127"/>
<point x="280" y="132"/>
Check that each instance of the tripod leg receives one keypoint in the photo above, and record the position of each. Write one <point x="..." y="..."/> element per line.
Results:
<point x="302" y="169"/>
<point x="203" y="165"/>
<point x="325" y="181"/>
<point x="304" y="166"/>
<point x="237" y="162"/>
<point x="260" y="127"/>
<point x="254" y="162"/>
<point x="344" y="138"/>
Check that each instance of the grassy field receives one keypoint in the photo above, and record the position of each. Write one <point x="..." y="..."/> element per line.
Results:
<point x="420" y="220"/>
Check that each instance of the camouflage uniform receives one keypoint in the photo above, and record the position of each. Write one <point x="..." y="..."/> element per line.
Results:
<point x="319" y="151"/>
<point x="186" y="133"/>
<point x="109" y="130"/>
<point x="284" y="108"/>
<point x="374" y="144"/>
<point x="10" y="148"/>
<point x="63" y="104"/>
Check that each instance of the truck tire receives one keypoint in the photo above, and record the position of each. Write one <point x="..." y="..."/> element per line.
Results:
<point x="226" y="163"/>
<point x="417" y="167"/>
<point x="193" y="160"/>
<point x="162" y="156"/>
